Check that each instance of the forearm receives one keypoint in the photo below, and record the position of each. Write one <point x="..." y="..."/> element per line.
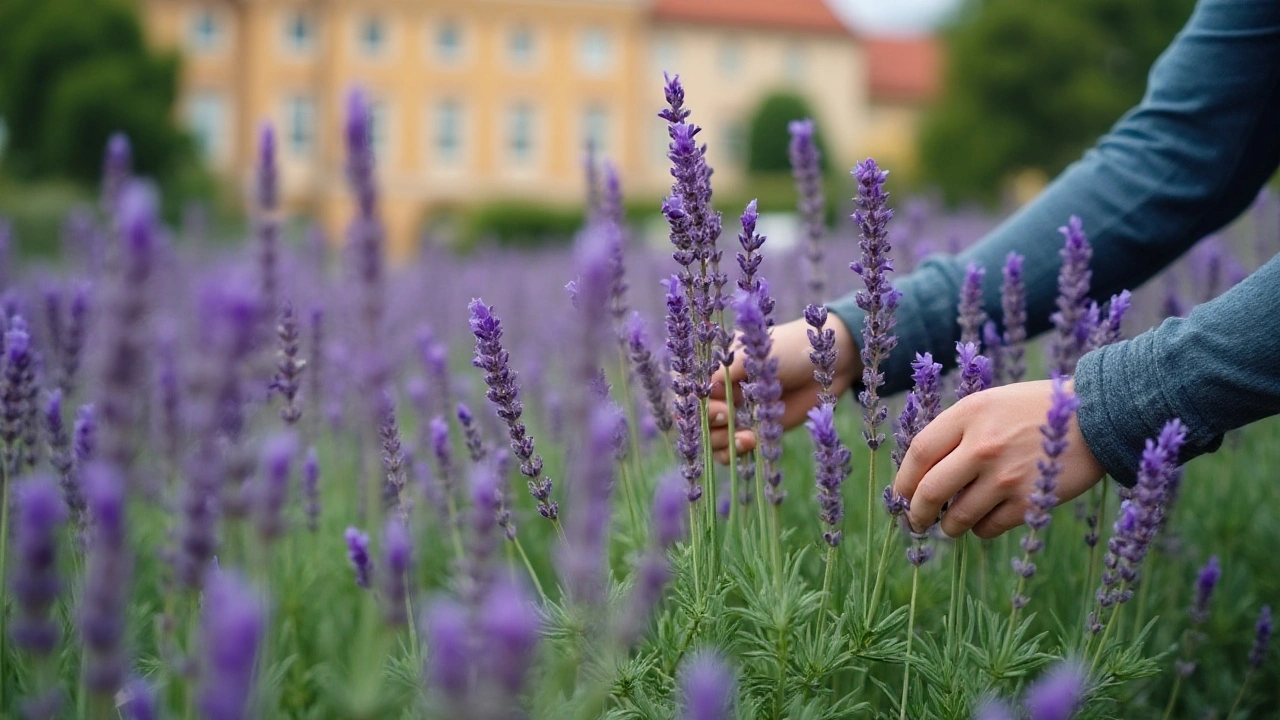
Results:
<point x="1216" y="370"/>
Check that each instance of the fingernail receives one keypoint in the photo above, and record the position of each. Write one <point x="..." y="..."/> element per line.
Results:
<point x="739" y="445"/>
<point x="719" y="418"/>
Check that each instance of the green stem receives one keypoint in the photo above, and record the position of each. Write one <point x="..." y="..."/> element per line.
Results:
<point x="1093" y="549"/>
<point x="911" y="629"/>
<point x="709" y="491"/>
<point x="555" y="523"/>
<point x="871" y="501"/>
<point x="826" y="581"/>
<point x="1240" y="697"/>
<point x="759" y="460"/>
<point x="693" y="552"/>
<point x="1106" y="633"/>
<point x="1173" y="697"/>
<point x="782" y="650"/>
<point x="733" y="455"/>
<point x="628" y="406"/>
<point x="452" y="505"/>
<point x="529" y="568"/>
<point x="880" y="570"/>
<point x="777" y="544"/>
<point x="983" y="553"/>
<point x="959" y="586"/>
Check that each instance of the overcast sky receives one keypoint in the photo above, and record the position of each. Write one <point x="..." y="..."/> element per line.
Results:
<point x="894" y="16"/>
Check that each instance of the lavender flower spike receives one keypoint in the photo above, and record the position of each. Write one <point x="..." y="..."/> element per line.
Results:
<point x="685" y="367"/>
<point x="707" y="688"/>
<point x="268" y="223"/>
<point x="289" y="366"/>
<point x="922" y="405"/>
<point x="1058" y="695"/>
<point x="762" y="390"/>
<point x="972" y="315"/>
<point x="1062" y="406"/>
<point x="15" y="391"/>
<point x="34" y="585"/>
<point x="806" y="168"/>
<point x="878" y="300"/>
<point x="449" y="658"/>
<point x="311" y="489"/>
<point x="231" y="629"/>
<point x="822" y="353"/>
<point x="652" y="572"/>
<point x="140" y="701"/>
<point x="273" y="485"/>
<point x="1108" y="329"/>
<point x="475" y="440"/>
<point x="1261" y="638"/>
<point x="651" y="376"/>
<point x="832" y="467"/>
<point x="975" y="370"/>
<point x="509" y="627"/>
<point x="102" y="614"/>
<point x="504" y="393"/>
<point x="397" y="552"/>
<point x="1071" y="333"/>
<point x="60" y="455"/>
<point x="1013" y="301"/>
<point x="358" y="554"/>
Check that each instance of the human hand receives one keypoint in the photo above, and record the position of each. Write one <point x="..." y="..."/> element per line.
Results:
<point x="795" y="372"/>
<point x="983" y="452"/>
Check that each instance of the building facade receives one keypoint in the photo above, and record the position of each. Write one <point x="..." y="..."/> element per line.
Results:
<point x="480" y="100"/>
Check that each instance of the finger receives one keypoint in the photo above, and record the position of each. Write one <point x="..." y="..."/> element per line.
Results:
<point x="935" y="442"/>
<point x="946" y="478"/>
<point x="717" y="389"/>
<point x="737" y="373"/>
<point x="718" y="411"/>
<point x="744" y="442"/>
<point x="1005" y="517"/>
<point x="796" y="406"/>
<point x="974" y="503"/>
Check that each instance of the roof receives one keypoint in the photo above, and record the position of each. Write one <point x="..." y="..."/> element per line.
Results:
<point x="904" y="69"/>
<point x="811" y="16"/>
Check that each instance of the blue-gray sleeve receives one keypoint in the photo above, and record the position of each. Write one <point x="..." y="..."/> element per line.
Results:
<point x="1188" y="159"/>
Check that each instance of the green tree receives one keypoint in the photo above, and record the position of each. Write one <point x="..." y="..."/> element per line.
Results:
<point x="1031" y="85"/>
<point x="768" y="138"/>
<point x="71" y="73"/>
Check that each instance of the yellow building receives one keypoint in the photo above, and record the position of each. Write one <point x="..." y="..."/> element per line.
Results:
<point x="477" y="100"/>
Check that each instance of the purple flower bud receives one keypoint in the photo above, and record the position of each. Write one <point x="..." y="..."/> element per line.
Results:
<point x="311" y="489"/>
<point x="652" y="378"/>
<point x="762" y="390"/>
<point x="108" y="566"/>
<point x="1261" y="638"/>
<point x="509" y="626"/>
<point x="1013" y="301"/>
<point x="972" y="316"/>
<point x="1058" y="695"/>
<point x="117" y="167"/>
<point x="922" y="405"/>
<point x="668" y="513"/>
<point x="1108" y="330"/>
<point x="975" y="370"/>
<point x="806" y="168"/>
<point x="684" y="364"/>
<point x="273" y="485"/>
<point x="475" y="440"/>
<point x="1070" y="332"/>
<point x="15" y="391"/>
<point x="140" y="701"/>
<point x="831" y="459"/>
<point x="393" y="495"/>
<point x="231" y="629"/>
<point x="822" y="353"/>
<point x="85" y="435"/>
<point x="1206" y="581"/>
<point x="707" y="688"/>
<point x="39" y="513"/>
<point x="993" y="347"/>
<point x="288" y="365"/>
<point x="60" y="456"/>
<point x="397" y="555"/>
<point x="358" y="554"/>
<point x="878" y="300"/>
<point x="449" y="654"/>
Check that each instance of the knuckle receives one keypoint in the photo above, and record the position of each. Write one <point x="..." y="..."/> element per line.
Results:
<point x="987" y="448"/>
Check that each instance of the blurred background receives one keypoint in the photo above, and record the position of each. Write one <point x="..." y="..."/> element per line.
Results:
<point x="484" y="108"/>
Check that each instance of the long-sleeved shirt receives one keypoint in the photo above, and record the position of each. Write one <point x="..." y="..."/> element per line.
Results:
<point x="1183" y="163"/>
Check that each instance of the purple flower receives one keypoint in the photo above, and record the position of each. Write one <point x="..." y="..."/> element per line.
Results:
<point x="878" y="300"/>
<point x="73" y="339"/>
<point x="60" y="456"/>
<point x="975" y="370"/>
<point x="266" y="221"/>
<point x="231" y="629"/>
<point x="831" y="460"/>
<point x="922" y="405"/>
<point x="1071" y="333"/>
<point x="1058" y="695"/>
<point x="1206" y="581"/>
<point x="1261" y="638"/>
<point x="288" y="365"/>
<point x="750" y="258"/>
<point x="102" y="614"/>
<point x="442" y="450"/>
<point x="140" y="701"/>
<point x="449" y="644"/>
<point x="806" y="168"/>
<point x="475" y="439"/>
<point x="311" y="489"/>
<point x="316" y="359"/>
<point x="358" y="554"/>
<point x="486" y="506"/>
<point x="509" y="627"/>
<point x="1108" y="331"/>
<point x="652" y="378"/>
<point x="117" y="168"/>
<point x="15" y="392"/>
<point x="685" y="364"/>
<point x="707" y="688"/>
<point x="34" y="585"/>
<point x="762" y="389"/>
<point x="85" y="433"/>
<point x="504" y="393"/>
<point x="273" y="485"/>
<point x="993" y="710"/>
<point x="652" y="572"/>
<point x="393" y="484"/>
<point x="993" y="348"/>
<point x="972" y="316"/>
<point x="822" y="352"/>
<point x="920" y="552"/>
<point x="583" y="561"/>
<point x="397" y="562"/>
<point x="1062" y="406"/>
<point x="668" y="514"/>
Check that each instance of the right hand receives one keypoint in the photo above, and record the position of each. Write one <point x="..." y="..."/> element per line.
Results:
<point x="795" y="372"/>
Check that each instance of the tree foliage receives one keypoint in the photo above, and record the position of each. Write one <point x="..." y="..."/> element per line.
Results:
<point x="71" y="73"/>
<point x="1032" y="85"/>
<point x="768" y="138"/>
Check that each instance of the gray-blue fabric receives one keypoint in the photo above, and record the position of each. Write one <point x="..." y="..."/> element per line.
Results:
<point x="1186" y="161"/>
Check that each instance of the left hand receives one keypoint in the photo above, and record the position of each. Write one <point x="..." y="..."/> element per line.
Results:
<point x="985" y="448"/>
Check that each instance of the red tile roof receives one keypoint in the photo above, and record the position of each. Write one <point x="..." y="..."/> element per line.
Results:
<point x="797" y="15"/>
<point x="904" y="69"/>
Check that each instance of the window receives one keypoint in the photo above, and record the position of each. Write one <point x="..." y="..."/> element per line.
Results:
<point x="448" y="131"/>
<point x="448" y="41"/>
<point x="595" y="52"/>
<point x="300" y="32"/>
<point x="595" y="127"/>
<point x="795" y="63"/>
<point x="520" y="132"/>
<point x="380" y="128"/>
<point x="730" y="57"/>
<point x="207" y="116"/>
<point x="300" y="125"/>
<point x="520" y="46"/>
<point x="373" y="35"/>
<point x="206" y="30"/>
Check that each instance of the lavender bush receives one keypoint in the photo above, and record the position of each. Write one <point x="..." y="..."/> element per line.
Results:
<point x="214" y="506"/>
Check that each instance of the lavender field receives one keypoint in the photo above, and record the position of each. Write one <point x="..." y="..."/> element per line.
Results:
<point x="289" y="480"/>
